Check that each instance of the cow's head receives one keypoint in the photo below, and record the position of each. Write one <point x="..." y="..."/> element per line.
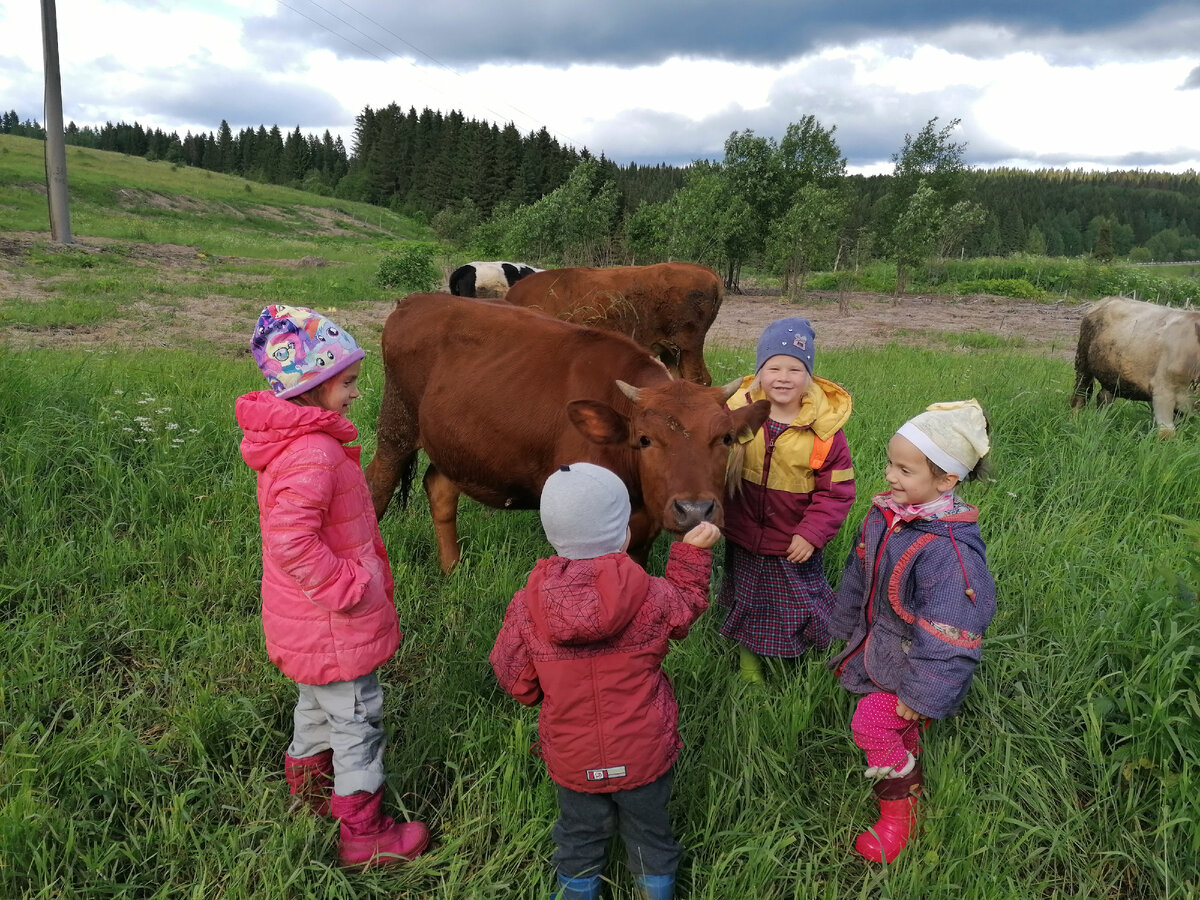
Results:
<point x="681" y="434"/>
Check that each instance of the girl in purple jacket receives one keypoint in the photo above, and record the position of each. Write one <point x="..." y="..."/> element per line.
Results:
<point x="328" y="613"/>
<point x="913" y="604"/>
<point x="792" y="486"/>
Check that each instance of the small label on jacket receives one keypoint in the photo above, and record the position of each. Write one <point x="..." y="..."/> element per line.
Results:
<point x="602" y="774"/>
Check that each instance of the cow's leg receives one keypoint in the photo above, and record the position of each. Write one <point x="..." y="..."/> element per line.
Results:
<point x="396" y="442"/>
<point x="1163" y="402"/>
<point x="642" y="532"/>
<point x="1083" y="387"/>
<point x="692" y="367"/>
<point x="443" y="506"/>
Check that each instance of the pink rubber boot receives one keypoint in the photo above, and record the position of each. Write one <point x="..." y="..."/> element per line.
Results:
<point x="884" y="840"/>
<point x="369" y="838"/>
<point x="310" y="780"/>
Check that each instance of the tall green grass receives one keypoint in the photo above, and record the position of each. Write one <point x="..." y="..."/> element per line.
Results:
<point x="142" y="728"/>
<point x="1027" y="277"/>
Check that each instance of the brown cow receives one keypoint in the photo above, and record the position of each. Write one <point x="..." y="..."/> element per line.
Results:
<point x="1140" y="351"/>
<point x="499" y="397"/>
<point x="667" y="307"/>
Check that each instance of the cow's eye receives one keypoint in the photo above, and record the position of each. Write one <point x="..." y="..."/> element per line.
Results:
<point x="643" y="441"/>
<point x="728" y="439"/>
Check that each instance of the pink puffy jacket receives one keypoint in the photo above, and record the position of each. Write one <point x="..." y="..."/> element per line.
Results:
<point x="328" y="611"/>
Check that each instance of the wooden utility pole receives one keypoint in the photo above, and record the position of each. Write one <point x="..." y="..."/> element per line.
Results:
<point x="56" y="149"/>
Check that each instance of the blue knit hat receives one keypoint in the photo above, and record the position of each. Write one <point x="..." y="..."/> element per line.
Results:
<point x="787" y="337"/>
<point x="296" y="349"/>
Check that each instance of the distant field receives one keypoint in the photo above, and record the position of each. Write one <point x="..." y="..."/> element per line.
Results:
<point x="143" y="728"/>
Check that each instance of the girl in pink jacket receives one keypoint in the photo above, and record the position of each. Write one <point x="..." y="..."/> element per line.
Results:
<point x="328" y="612"/>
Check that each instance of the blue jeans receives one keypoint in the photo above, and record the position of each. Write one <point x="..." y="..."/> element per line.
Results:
<point x="586" y="823"/>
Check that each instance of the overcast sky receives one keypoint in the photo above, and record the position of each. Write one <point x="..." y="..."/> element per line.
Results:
<point x="1093" y="84"/>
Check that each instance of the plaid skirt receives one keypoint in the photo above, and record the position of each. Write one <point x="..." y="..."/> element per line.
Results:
<point x="775" y="607"/>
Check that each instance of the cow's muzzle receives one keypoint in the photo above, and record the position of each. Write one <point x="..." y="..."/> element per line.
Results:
<point x="690" y="513"/>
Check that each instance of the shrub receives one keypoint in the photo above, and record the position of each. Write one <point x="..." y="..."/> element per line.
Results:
<point x="411" y="269"/>
<point x="1001" y="287"/>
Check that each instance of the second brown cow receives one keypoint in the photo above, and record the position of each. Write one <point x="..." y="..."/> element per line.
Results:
<point x="667" y="308"/>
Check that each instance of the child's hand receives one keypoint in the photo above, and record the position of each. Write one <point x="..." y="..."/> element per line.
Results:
<point x="906" y="712"/>
<point x="800" y="550"/>
<point x="703" y="535"/>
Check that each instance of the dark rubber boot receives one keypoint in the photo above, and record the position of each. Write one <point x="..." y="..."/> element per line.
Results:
<point x="655" y="887"/>
<point x="586" y="888"/>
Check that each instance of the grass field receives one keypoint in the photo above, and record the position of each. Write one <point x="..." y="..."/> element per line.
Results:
<point x="142" y="727"/>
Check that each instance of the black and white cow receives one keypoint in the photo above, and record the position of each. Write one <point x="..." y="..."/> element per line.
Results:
<point x="487" y="279"/>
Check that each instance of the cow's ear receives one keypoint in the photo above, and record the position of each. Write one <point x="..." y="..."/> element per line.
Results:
<point x="599" y="422"/>
<point x="748" y="419"/>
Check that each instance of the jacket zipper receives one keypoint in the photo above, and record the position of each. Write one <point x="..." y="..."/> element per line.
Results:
<point x="870" y="608"/>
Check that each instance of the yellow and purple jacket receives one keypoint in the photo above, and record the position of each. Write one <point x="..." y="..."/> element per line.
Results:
<point x="800" y="482"/>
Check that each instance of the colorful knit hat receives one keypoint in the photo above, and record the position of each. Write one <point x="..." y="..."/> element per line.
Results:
<point x="788" y="337"/>
<point x="954" y="435"/>
<point x="296" y="349"/>
<point x="585" y="511"/>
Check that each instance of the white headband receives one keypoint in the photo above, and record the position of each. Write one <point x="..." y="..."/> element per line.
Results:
<point x="936" y="454"/>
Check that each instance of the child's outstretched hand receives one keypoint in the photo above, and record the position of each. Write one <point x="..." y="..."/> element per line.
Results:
<point x="703" y="535"/>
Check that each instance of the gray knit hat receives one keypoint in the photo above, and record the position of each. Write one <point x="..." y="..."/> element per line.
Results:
<point x="788" y="337"/>
<point x="585" y="511"/>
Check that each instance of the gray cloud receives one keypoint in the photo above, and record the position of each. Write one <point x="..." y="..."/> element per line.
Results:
<point x="1192" y="81"/>
<point x="465" y="33"/>
<point x="203" y="96"/>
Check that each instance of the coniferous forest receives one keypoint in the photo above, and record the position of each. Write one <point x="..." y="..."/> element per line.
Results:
<point x="785" y="206"/>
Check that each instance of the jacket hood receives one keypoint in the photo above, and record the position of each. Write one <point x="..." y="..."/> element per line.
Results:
<point x="270" y="424"/>
<point x="825" y="407"/>
<point x="582" y="601"/>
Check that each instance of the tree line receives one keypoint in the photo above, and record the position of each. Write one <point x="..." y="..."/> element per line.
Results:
<point x="785" y="206"/>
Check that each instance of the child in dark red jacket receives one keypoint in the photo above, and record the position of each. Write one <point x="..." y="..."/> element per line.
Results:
<point x="586" y="638"/>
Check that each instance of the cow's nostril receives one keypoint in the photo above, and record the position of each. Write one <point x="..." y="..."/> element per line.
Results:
<point x="689" y="513"/>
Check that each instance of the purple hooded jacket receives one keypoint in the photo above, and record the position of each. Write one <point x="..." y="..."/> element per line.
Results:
<point x="913" y="604"/>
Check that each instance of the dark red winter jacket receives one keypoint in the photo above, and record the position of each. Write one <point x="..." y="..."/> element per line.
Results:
<point x="586" y="638"/>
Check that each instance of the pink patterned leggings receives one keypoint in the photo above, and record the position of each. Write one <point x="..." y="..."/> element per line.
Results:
<point x="886" y="738"/>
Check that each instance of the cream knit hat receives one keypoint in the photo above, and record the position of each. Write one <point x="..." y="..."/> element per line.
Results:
<point x="953" y="435"/>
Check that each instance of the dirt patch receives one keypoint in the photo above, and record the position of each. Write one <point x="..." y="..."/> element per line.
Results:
<point x="873" y="320"/>
<point x="1049" y="329"/>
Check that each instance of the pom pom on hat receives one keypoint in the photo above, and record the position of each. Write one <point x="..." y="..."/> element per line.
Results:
<point x="585" y="511"/>
<point x="953" y="435"/>
<point x="788" y="337"/>
<point x="296" y="349"/>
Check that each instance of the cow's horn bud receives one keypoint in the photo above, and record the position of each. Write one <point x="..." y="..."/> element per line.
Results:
<point x="628" y="390"/>
<point x="730" y="389"/>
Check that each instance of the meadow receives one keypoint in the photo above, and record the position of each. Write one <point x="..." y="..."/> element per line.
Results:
<point x="142" y="727"/>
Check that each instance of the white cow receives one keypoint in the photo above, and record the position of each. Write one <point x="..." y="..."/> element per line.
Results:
<point x="1140" y="351"/>
<point x="487" y="279"/>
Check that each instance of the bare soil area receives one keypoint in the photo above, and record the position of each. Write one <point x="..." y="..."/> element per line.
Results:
<point x="868" y="320"/>
<point x="872" y="320"/>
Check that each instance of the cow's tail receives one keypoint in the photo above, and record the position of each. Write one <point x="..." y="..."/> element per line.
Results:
<point x="408" y="472"/>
